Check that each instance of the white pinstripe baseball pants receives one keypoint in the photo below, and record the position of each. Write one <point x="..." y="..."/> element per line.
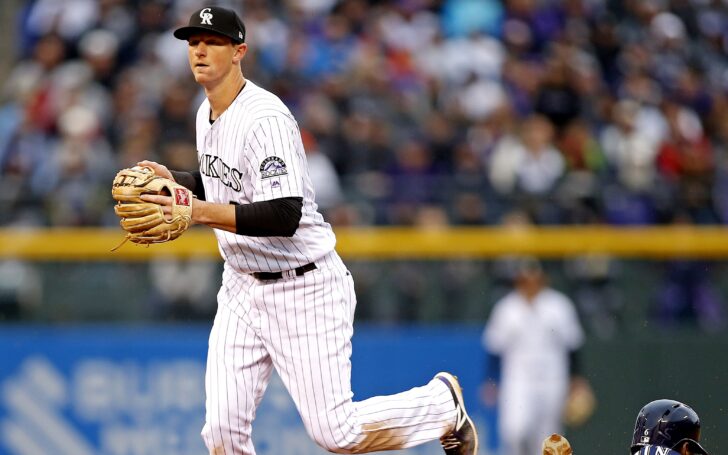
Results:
<point x="302" y="326"/>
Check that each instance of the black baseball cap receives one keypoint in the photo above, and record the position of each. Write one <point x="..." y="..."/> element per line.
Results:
<point x="214" y="19"/>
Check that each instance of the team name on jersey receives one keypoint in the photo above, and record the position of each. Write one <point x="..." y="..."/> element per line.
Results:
<point x="213" y="166"/>
<point x="656" y="450"/>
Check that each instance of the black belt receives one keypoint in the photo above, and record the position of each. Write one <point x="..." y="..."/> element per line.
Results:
<point x="278" y="275"/>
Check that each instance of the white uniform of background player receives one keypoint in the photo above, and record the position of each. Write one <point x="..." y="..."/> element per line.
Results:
<point x="533" y="329"/>
<point x="298" y="323"/>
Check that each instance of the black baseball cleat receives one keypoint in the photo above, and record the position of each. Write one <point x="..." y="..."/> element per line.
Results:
<point x="463" y="439"/>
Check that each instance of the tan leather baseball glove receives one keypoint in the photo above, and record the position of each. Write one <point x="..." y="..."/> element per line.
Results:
<point x="144" y="222"/>
<point x="556" y="444"/>
<point x="580" y="403"/>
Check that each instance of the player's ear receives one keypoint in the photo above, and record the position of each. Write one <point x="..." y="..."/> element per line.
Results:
<point x="240" y="51"/>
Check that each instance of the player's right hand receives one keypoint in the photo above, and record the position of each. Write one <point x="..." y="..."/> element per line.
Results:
<point x="159" y="169"/>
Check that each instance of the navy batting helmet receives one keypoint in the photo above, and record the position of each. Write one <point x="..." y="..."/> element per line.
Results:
<point x="667" y="423"/>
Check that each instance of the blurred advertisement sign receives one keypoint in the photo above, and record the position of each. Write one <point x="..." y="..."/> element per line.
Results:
<point x="140" y="391"/>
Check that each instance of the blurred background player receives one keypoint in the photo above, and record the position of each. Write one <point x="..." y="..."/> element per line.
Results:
<point x="534" y="331"/>
<point x="667" y="427"/>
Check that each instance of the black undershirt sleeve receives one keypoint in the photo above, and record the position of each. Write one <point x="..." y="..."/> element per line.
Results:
<point x="273" y="218"/>
<point x="574" y="363"/>
<point x="492" y="367"/>
<point x="192" y="180"/>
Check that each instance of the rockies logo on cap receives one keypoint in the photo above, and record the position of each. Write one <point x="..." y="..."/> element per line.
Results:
<point x="214" y="19"/>
<point x="206" y="16"/>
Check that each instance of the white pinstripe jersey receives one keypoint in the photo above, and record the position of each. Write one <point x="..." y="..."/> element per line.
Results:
<point x="253" y="152"/>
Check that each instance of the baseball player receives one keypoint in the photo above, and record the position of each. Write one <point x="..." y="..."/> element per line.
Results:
<point x="666" y="427"/>
<point x="287" y="300"/>
<point x="533" y="330"/>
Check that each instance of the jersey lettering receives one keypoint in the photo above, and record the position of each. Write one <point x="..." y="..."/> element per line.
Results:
<point x="213" y="166"/>
<point x="209" y="167"/>
<point x="656" y="450"/>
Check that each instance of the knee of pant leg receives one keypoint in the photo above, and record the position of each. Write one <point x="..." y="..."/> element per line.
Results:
<point x="221" y="435"/>
<point x="213" y="447"/>
<point x="334" y="446"/>
<point x="331" y="439"/>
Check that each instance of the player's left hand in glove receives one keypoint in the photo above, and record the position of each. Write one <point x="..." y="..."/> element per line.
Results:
<point x="580" y="402"/>
<point x="145" y="222"/>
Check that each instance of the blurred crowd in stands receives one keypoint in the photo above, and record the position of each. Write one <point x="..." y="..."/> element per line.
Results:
<point x="413" y="112"/>
<point x="460" y="112"/>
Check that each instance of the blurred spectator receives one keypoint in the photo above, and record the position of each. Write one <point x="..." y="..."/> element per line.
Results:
<point x="521" y="80"/>
<point x="472" y="96"/>
<point x="685" y="160"/>
<point x="629" y="150"/>
<point x="468" y="187"/>
<point x="689" y="92"/>
<point x="175" y="120"/>
<point x="408" y="26"/>
<point x="720" y="189"/>
<point x="73" y="180"/>
<point x="557" y="98"/>
<point x="323" y="175"/>
<point x="529" y="162"/>
<point x="526" y="168"/>
<point x="669" y="41"/>
<point x="455" y="61"/>
<point x="70" y="19"/>
<point x="466" y="17"/>
<point x="631" y="155"/>
<point x="329" y="51"/>
<point x="183" y="289"/>
<point x="581" y="149"/>
<point x="640" y="87"/>
<point x="542" y="21"/>
<point x="20" y="290"/>
<point x="99" y="49"/>
<point x="605" y="41"/>
<point x="269" y="37"/>
<point x="579" y="193"/>
<point x="414" y="181"/>
<point x="596" y="293"/>
<point x="687" y="297"/>
<point x="441" y="136"/>
<point x="313" y="8"/>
